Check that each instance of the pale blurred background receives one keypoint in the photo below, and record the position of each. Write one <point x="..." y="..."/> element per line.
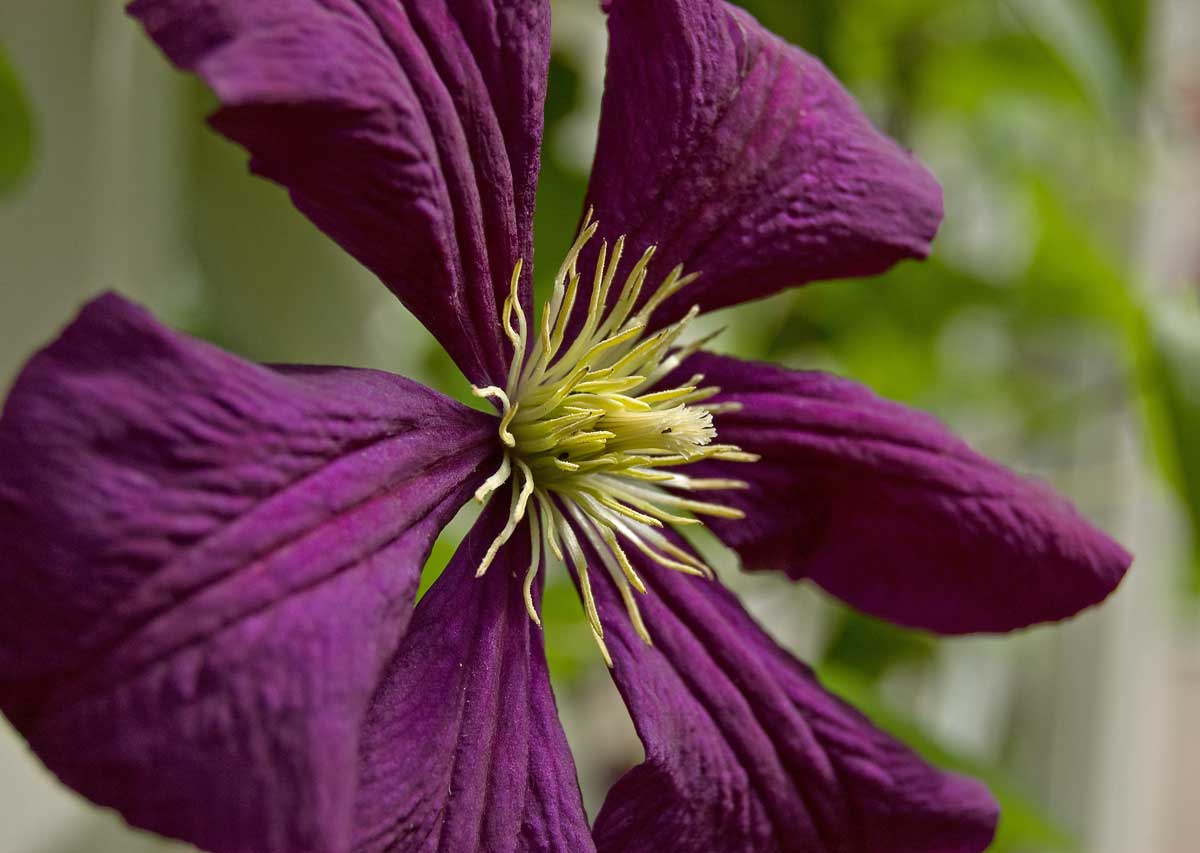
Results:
<point x="1056" y="326"/>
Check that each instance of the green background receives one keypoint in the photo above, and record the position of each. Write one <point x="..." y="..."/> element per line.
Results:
<point x="1055" y="326"/>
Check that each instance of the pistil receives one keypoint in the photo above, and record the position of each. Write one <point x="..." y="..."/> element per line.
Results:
<point x="588" y="433"/>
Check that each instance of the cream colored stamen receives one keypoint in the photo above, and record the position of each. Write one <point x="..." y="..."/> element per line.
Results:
<point x="585" y="438"/>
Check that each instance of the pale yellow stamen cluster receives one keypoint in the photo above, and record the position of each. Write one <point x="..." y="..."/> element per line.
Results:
<point x="587" y="438"/>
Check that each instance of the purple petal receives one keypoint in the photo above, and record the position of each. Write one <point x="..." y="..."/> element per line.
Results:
<point x="744" y="159"/>
<point x="409" y="133"/>
<point x="885" y="508"/>
<point x="206" y="567"/>
<point x="462" y="749"/>
<point x="745" y="751"/>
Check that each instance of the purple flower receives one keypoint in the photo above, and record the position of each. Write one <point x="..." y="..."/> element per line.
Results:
<point x="206" y="619"/>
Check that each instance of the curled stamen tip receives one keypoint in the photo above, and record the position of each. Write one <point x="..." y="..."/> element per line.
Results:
<point x="493" y="393"/>
<point x="582" y="433"/>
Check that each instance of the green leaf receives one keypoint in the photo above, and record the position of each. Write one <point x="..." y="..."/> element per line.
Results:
<point x="561" y="187"/>
<point x="16" y="128"/>
<point x="870" y="647"/>
<point x="1128" y="23"/>
<point x="1023" y="824"/>
<point x="1077" y="33"/>
<point x="996" y="71"/>
<point x="1169" y="379"/>
<point x="1075" y="273"/>
<point x="813" y="29"/>
<point x="570" y="650"/>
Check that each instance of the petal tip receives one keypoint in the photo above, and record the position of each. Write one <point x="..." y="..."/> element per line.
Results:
<point x="885" y="508"/>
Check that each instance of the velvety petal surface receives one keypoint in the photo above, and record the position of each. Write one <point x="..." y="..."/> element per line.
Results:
<point x="407" y="131"/>
<point x="207" y="565"/>
<point x="745" y="751"/>
<point x="744" y="159"/>
<point x="885" y="508"/>
<point x="462" y="749"/>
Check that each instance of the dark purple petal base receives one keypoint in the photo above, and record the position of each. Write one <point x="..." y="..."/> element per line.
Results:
<point x="462" y="749"/>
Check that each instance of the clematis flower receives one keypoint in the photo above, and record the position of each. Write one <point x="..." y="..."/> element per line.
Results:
<point x="209" y="566"/>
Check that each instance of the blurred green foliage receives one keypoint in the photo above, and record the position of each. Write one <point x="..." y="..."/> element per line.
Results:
<point x="1171" y="353"/>
<point x="1026" y="323"/>
<point x="1024" y="326"/>
<point x="1027" y="111"/>
<point x="16" y="128"/>
<point x="561" y="188"/>
<point x="1023" y="826"/>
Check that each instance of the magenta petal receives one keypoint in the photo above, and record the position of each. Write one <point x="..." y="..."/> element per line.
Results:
<point x="206" y="567"/>
<point x="744" y="159"/>
<point x="885" y="508"/>
<point x="462" y="749"/>
<point x="408" y="132"/>
<point x="745" y="751"/>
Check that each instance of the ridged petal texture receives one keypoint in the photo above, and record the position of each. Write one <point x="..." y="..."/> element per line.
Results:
<point x="884" y="507"/>
<point x="407" y="131"/>
<point x="207" y="566"/>
<point x="462" y="749"/>
<point x="747" y="753"/>
<point x="744" y="159"/>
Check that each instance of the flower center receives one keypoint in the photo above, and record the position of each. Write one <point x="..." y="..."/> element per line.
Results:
<point x="590" y="437"/>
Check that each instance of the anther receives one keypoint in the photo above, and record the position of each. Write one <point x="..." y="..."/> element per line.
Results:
<point x="587" y="432"/>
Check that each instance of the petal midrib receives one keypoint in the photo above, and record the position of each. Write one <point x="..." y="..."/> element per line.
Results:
<point x="109" y="654"/>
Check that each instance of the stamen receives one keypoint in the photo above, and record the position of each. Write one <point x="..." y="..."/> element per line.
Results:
<point x="535" y="560"/>
<point x="495" y="481"/>
<point x="515" y="514"/>
<point x="585" y="586"/>
<point x="509" y="410"/>
<point x="618" y="577"/>
<point x="587" y="431"/>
